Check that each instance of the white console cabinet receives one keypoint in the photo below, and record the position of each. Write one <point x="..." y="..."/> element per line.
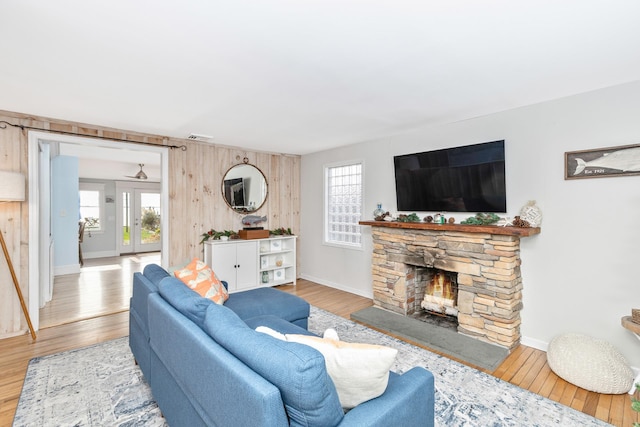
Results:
<point x="248" y="264"/>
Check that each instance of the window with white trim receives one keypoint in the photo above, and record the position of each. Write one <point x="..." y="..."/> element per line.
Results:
<point x="91" y="196"/>
<point x="343" y="204"/>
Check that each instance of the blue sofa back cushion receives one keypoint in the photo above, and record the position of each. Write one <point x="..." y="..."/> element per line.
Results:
<point x="186" y="301"/>
<point x="297" y="370"/>
<point x="155" y="273"/>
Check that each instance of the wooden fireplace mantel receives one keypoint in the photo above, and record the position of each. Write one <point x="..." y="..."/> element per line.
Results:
<point x="462" y="228"/>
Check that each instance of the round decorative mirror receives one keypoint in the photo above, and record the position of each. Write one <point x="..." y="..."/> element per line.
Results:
<point x="244" y="188"/>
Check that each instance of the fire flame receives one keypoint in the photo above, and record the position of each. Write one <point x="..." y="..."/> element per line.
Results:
<point x="440" y="286"/>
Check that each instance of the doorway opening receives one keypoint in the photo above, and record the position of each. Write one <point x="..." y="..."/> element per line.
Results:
<point x="41" y="251"/>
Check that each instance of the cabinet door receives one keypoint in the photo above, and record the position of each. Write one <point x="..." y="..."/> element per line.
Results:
<point x="247" y="261"/>
<point x="223" y="262"/>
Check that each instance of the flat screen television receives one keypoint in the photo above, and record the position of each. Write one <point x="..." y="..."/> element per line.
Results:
<point x="470" y="178"/>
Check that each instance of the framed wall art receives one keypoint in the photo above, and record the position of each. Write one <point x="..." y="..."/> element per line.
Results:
<point x="602" y="162"/>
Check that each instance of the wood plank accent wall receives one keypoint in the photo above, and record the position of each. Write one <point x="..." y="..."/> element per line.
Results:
<point x="14" y="218"/>
<point x="195" y="197"/>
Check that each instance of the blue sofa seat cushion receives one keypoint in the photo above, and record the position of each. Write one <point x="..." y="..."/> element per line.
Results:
<point x="298" y="371"/>
<point x="257" y="302"/>
<point x="185" y="300"/>
<point x="277" y="324"/>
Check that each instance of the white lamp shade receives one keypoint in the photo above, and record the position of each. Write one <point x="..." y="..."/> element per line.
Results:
<point x="11" y="186"/>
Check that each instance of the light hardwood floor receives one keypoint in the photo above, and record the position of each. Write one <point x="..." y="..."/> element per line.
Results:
<point x="525" y="367"/>
<point x="102" y="287"/>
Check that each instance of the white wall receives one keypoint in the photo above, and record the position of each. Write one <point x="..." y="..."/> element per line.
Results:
<point x="580" y="274"/>
<point x="64" y="214"/>
<point x="104" y="243"/>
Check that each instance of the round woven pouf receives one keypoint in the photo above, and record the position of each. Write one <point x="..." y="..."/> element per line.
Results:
<point x="590" y="363"/>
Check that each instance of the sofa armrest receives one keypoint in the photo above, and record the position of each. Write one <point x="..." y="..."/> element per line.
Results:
<point x="408" y="398"/>
<point x="142" y="287"/>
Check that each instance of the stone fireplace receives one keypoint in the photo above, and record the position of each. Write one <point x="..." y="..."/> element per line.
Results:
<point x="484" y="260"/>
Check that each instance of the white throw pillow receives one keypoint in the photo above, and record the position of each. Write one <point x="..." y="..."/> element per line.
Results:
<point x="360" y="372"/>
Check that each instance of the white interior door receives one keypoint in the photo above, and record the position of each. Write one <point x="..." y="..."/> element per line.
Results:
<point x="45" y="240"/>
<point x="140" y="213"/>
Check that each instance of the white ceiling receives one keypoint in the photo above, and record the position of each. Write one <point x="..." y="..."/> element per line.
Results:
<point x="113" y="163"/>
<point x="299" y="76"/>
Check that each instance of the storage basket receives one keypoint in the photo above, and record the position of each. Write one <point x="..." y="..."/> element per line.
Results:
<point x="635" y="315"/>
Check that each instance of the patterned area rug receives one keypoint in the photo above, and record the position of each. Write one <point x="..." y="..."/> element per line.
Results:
<point x="101" y="386"/>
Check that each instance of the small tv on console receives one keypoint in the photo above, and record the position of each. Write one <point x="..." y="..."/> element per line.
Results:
<point x="470" y="178"/>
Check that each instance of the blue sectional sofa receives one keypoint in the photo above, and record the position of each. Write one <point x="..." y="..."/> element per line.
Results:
<point x="207" y="366"/>
<point x="248" y="304"/>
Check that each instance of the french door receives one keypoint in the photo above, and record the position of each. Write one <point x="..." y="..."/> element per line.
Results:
<point x="139" y="212"/>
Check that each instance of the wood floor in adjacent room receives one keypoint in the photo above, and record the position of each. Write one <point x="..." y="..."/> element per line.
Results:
<point x="525" y="367"/>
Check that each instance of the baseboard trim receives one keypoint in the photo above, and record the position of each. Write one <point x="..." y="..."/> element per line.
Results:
<point x="101" y="254"/>
<point x="532" y="342"/>
<point x="62" y="270"/>
<point x="337" y="286"/>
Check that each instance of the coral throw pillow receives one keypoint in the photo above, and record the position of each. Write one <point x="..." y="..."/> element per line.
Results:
<point x="200" y="277"/>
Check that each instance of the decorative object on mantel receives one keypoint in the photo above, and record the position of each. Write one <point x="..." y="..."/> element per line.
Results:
<point x="481" y="219"/>
<point x="519" y="222"/>
<point x="531" y="213"/>
<point x="218" y="235"/>
<point x="379" y="213"/>
<point x="386" y="216"/>
<point x="428" y="219"/>
<point x="281" y="232"/>
<point x="438" y="219"/>
<point x="452" y="220"/>
<point x="413" y="217"/>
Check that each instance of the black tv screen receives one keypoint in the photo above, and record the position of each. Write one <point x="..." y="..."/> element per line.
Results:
<point x="460" y="179"/>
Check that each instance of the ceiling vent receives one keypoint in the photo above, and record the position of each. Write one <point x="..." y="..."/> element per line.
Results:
<point x="200" y="137"/>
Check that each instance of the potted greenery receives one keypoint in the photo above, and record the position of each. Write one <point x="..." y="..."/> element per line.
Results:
<point x="281" y="232"/>
<point x="216" y="235"/>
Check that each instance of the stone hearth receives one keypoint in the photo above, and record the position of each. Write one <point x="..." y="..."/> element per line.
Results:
<point x="486" y="259"/>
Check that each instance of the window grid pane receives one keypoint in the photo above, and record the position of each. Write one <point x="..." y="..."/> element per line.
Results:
<point x="344" y="202"/>
<point x="90" y="208"/>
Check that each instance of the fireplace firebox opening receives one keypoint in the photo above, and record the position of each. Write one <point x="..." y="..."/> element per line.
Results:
<point x="441" y="292"/>
<point x="435" y="296"/>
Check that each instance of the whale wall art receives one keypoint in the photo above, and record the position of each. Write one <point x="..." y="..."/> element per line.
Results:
<point x="612" y="161"/>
